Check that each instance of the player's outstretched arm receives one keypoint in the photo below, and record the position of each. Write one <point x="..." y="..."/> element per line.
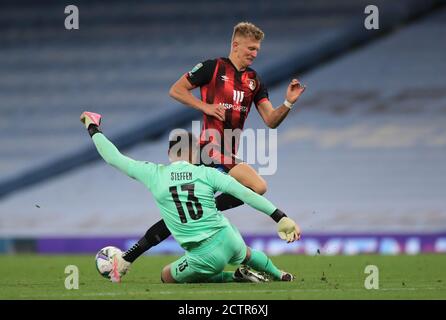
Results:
<point x="106" y="149"/>
<point x="286" y="227"/>
<point x="274" y="117"/>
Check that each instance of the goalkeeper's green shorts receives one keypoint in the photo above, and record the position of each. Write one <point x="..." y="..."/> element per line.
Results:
<point x="210" y="257"/>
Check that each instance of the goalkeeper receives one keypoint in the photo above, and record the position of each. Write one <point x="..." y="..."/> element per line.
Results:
<point x="184" y="194"/>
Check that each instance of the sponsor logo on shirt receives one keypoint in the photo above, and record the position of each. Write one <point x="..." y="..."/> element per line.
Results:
<point x="194" y="69"/>
<point x="238" y="96"/>
<point x="234" y="107"/>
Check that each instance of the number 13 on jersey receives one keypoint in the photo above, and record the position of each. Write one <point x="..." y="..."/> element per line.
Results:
<point x="195" y="213"/>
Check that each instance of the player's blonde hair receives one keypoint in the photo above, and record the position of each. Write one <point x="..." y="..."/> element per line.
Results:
<point x="248" y="30"/>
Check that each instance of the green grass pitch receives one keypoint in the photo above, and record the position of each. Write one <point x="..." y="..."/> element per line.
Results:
<point x="318" y="277"/>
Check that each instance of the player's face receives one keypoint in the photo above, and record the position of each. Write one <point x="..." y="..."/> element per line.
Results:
<point x="246" y="50"/>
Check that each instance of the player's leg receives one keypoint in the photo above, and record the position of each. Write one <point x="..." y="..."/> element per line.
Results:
<point x="256" y="259"/>
<point x="179" y="271"/>
<point x="222" y="277"/>
<point x="259" y="261"/>
<point x="195" y="277"/>
<point x="231" y="247"/>
<point x="166" y="275"/>
<point x="246" y="175"/>
<point x="190" y="276"/>
<point x="156" y="234"/>
<point x="206" y="263"/>
<point x="196" y="269"/>
<point x="241" y="274"/>
<point x="227" y="248"/>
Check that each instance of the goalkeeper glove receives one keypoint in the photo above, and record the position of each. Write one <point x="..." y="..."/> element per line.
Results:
<point x="88" y="118"/>
<point x="288" y="230"/>
<point x="91" y="121"/>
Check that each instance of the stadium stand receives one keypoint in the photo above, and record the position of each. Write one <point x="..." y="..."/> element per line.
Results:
<point x="364" y="153"/>
<point x="124" y="57"/>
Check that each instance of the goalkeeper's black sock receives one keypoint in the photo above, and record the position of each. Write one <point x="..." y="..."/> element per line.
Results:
<point x="134" y="252"/>
<point x="226" y="201"/>
<point x="156" y="234"/>
<point x="92" y="129"/>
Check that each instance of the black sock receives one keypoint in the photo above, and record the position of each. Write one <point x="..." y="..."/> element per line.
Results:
<point x="226" y="201"/>
<point x="134" y="252"/>
<point x="92" y="129"/>
<point x="156" y="234"/>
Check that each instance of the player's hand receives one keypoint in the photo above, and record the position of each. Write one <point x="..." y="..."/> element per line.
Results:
<point x="288" y="230"/>
<point x="216" y="111"/>
<point x="88" y="118"/>
<point x="295" y="89"/>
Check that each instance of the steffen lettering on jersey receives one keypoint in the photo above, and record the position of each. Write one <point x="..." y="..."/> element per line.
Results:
<point x="180" y="176"/>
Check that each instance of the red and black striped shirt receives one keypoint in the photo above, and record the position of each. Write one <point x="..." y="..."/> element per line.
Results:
<point x="221" y="83"/>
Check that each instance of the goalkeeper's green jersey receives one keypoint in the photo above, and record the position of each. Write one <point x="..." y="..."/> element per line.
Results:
<point x="184" y="192"/>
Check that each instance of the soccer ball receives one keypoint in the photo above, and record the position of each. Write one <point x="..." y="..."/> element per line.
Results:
<point x="104" y="260"/>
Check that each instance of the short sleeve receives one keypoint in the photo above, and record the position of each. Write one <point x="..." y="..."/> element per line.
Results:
<point x="202" y="73"/>
<point x="262" y="93"/>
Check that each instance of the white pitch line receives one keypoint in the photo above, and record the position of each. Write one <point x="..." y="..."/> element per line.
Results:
<point x="111" y="294"/>
<point x="296" y="290"/>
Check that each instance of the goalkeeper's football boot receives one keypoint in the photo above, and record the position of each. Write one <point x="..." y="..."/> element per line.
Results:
<point x="119" y="268"/>
<point x="88" y="118"/>
<point x="244" y="274"/>
<point x="286" y="276"/>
